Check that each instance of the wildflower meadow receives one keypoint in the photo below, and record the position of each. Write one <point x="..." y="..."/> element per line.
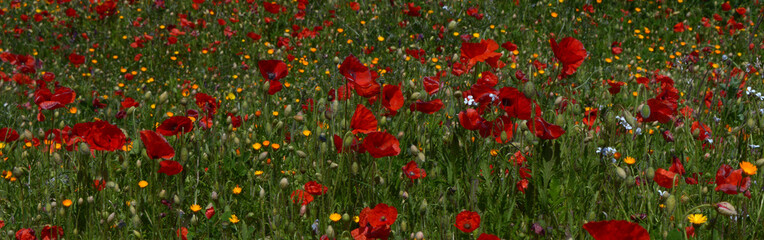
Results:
<point x="381" y="119"/>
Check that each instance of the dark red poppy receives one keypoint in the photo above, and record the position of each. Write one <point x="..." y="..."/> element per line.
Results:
<point x="175" y="125"/>
<point x="392" y="98"/>
<point x="76" y="59"/>
<point x="467" y="221"/>
<point x="47" y="100"/>
<point x="412" y="171"/>
<point x="726" y="6"/>
<point x="209" y="212"/>
<point x="660" y="111"/>
<point x="616" y="230"/>
<point x="615" y="48"/>
<point x="355" y="146"/>
<point x="301" y="197"/>
<point x="363" y="120"/>
<point x="51" y="232"/>
<point x="677" y="166"/>
<point x="25" y="234"/>
<point x="509" y="46"/>
<point x="427" y="107"/>
<point x="128" y="103"/>
<point x="732" y="181"/>
<point x="315" y="188"/>
<point x="570" y="52"/>
<point x="470" y="119"/>
<point x="207" y="103"/>
<point x="665" y="178"/>
<point x="170" y="167"/>
<point x="8" y="135"/>
<point x="156" y="145"/>
<point x="590" y="116"/>
<point x="543" y="129"/>
<point x="495" y="62"/>
<point x="514" y="103"/>
<point x="431" y="84"/>
<point x="667" y="136"/>
<point x="272" y="7"/>
<point x="412" y="10"/>
<point x="473" y="53"/>
<point x="100" y="135"/>
<point x="615" y="87"/>
<point x="381" y="144"/>
<point x="355" y="6"/>
<point x="485" y="236"/>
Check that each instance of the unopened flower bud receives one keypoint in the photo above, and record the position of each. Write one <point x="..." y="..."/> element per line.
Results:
<point x="726" y="209"/>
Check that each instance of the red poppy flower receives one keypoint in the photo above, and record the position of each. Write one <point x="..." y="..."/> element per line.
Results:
<point x="726" y="6"/>
<point x="45" y="99"/>
<point x="99" y="185"/>
<point x="473" y="53"/>
<point x="363" y="120"/>
<point x="427" y="107"/>
<point x="25" y="234"/>
<point x="543" y="129"/>
<point x="514" y="103"/>
<point x="509" y="46"/>
<point x="381" y="144"/>
<point x="732" y="181"/>
<point x="302" y="197"/>
<point x="467" y="221"/>
<point x="412" y="10"/>
<point x="522" y="185"/>
<point x="51" y="232"/>
<point x="209" y="212"/>
<point x="616" y="229"/>
<point x="355" y="146"/>
<point x="485" y="236"/>
<point x="175" y="125"/>
<point x="156" y="145"/>
<point x="375" y="223"/>
<point x="704" y="132"/>
<point x="615" y="48"/>
<point x="100" y="135"/>
<point x="76" y="59"/>
<point x="273" y="71"/>
<point x="590" y="116"/>
<point x="128" y="103"/>
<point x="615" y="87"/>
<point x="431" y="84"/>
<point x="502" y="124"/>
<point x="315" y="188"/>
<point x="570" y="52"/>
<point x="665" y="178"/>
<point x="8" y="135"/>
<point x="359" y="76"/>
<point x="182" y="233"/>
<point x="679" y="27"/>
<point x="207" y="103"/>
<point x="170" y="167"/>
<point x="392" y="98"/>
<point x="412" y="171"/>
<point x="470" y="119"/>
<point x="660" y="111"/>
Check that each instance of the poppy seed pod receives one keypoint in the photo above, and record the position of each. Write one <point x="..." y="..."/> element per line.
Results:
<point x="330" y="231"/>
<point x="529" y="89"/>
<point x="354" y="168"/>
<point x="644" y="110"/>
<point x="650" y="173"/>
<point x="671" y="203"/>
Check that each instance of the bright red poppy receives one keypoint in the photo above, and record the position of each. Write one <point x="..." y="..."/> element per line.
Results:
<point x="359" y="76"/>
<point x="47" y="100"/>
<point x="470" y="119"/>
<point x="182" y="233"/>
<point x="431" y="84"/>
<point x="679" y="27"/>
<point x="704" y="132"/>
<point x="543" y="129"/>
<point x="472" y="53"/>
<point x="51" y="232"/>
<point x="486" y="236"/>
<point x="170" y="167"/>
<point x="175" y="125"/>
<point x="467" y="221"/>
<point x="363" y="120"/>
<point x="509" y="46"/>
<point x="497" y="127"/>
<point x="375" y="222"/>
<point x="156" y="145"/>
<point x="209" y="212"/>
<point x="429" y="107"/>
<point x="412" y="171"/>
<point x="100" y="135"/>
<point x="25" y="234"/>
<point x="315" y="188"/>
<point x="207" y="103"/>
<point x="76" y="59"/>
<point x="570" y="52"/>
<point x="273" y="71"/>
<point x="666" y="179"/>
<point x="301" y="197"/>
<point x="590" y="116"/>
<point x="8" y="135"/>
<point x="355" y="146"/>
<point x="616" y="230"/>
<point x="128" y="102"/>
<point x="392" y="98"/>
<point x="615" y="48"/>
<point x="381" y="144"/>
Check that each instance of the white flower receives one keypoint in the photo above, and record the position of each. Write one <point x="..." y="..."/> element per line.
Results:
<point x="493" y="97"/>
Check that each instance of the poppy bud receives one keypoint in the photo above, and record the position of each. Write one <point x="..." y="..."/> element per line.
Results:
<point x="705" y="190"/>
<point x="176" y="199"/>
<point x="162" y="194"/>
<point x="458" y="94"/>
<point x="419" y="235"/>
<point x="298" y="117"/>
<point x="214" y="196"/>
<point x="529" y="89"/>
<point x="650" y="173"/>
<point x="111" y="217"/>
<point x="336" y="59"/>
<point x="262" y="192"/>
<point x="380" y="180"/>
<point x="18" y="172"/>
<point x="560" y="120"/>
<point x="301" y="154"/>
<point x="262" y="156"/>
<point x="133" y="210"/>
<point x="404" y="225"/>
<point x="136" y="220"/>
<point x="751" y="123"/>
<point x="80" y="201"/>
<point x="404" y="194"/>
<point x="630" y="181"/>
<point x="413" y="150"/>
<point x="354" y="168"/>
<point x="137" y="234"/>
<point x="163" y="97"/>
<point x="423" y="206"/>
<point x="671" y="203"/>
<point x="726" y="209"/>
<point x="61" y="212"/>
<point x="284" y="183"/>
<point x="620" y="172"/>
<point x="645" y="111"/>
<point x="303" y="210"/>
<point x="279" y="125"/>
<point x="451" y="25"/>
<point x="288" y="110"/>
<point x="420" y="157"/>
<point x="266" y="85"/>
<point x="28" y="134"/>
<point x="416" y="95"/>
<point x="90" y="199"/>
